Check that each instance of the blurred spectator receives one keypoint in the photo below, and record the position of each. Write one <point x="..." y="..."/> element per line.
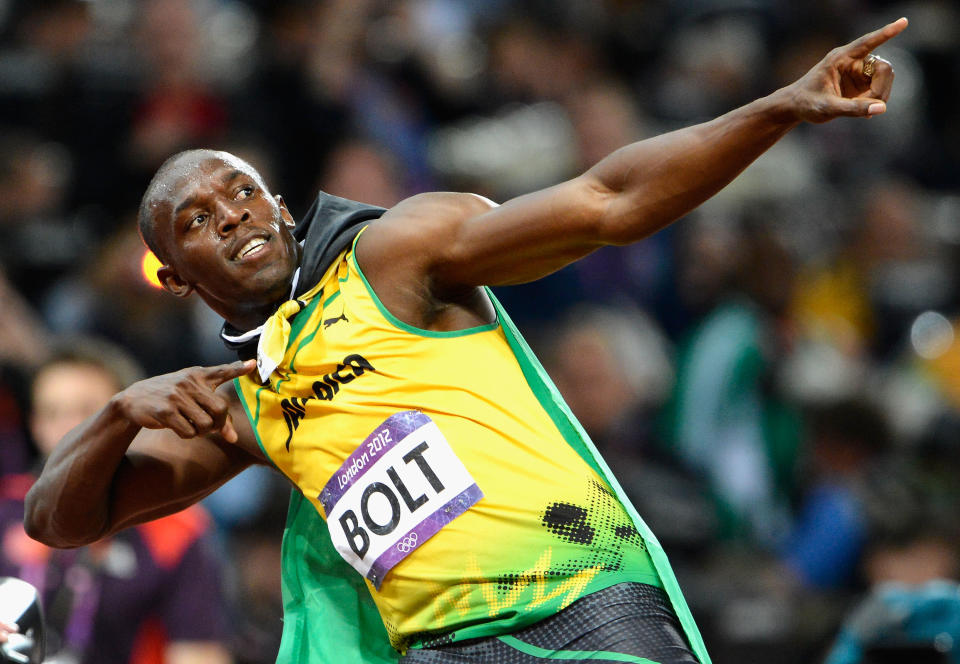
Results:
<point x="177" y="108"/>
<point x="726" y="421"/>
<point x="612" y="367"/>
<point x="24" y="340"/>
<point x="711" y="65"/>
<point x="113" y="299"/>
<point x="916" y="623"/>
<point x="42" y="240"/>
<point x="362" y="171"/>
<point x="40" y="64"/>
<point x="16" y="453"/>
<point x="24" y="344"/>
<point x="912" y="611"/>
<point x="151" y="593"/>
<point x="256" y="554"/>
<point x="824" y="546"/>
<point x="284" y="106"/>
<point x="605" y="117"/>
<point x="863" y="299"/>
<point x="522" y="50"/>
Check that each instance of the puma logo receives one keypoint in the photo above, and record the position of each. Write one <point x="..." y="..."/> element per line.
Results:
<point x="330" y="321"/>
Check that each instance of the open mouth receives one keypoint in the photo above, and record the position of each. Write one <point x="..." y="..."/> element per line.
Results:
<point x="251" y="247"/>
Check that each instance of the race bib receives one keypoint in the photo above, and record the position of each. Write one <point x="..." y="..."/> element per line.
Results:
<point x="398" y="489"/>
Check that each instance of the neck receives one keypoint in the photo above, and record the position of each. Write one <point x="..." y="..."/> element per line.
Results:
<point x="248" y="320"/>
<point x="247" y="316"/>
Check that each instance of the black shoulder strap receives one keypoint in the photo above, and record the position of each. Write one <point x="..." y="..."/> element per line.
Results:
<point x="328" y="228"/>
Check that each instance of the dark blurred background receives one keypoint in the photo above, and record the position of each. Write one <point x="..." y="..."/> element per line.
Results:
<point x="775" y="379"/>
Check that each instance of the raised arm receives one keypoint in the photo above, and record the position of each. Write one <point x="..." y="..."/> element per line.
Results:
<point x="630" y="194"/>
<point x="113" y="471"/>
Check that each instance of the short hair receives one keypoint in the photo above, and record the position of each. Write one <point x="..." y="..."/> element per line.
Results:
<point x="94" y="352"/>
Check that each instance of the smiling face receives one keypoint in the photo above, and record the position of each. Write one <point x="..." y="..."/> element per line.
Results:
<point x="223" y="235"/>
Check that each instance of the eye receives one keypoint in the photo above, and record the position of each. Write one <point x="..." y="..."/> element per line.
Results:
<point x="245" y="192"/>
<point x="197" y="220"/>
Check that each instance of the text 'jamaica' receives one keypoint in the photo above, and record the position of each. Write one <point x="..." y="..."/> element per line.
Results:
<point x="294" y="408"/>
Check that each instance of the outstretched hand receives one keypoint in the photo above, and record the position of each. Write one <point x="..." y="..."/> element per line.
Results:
<point x="839" y="85"/>
<point x="186" y="401"/>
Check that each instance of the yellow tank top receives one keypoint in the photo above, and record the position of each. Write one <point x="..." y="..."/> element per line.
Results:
<point x="443" y="480"/>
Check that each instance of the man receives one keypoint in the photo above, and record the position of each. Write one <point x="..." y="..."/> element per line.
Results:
<point x="405" y="408"/>
<point x="150" y="593"/>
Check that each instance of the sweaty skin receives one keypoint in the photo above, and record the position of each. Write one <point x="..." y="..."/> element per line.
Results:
<point x="168" y="441"/>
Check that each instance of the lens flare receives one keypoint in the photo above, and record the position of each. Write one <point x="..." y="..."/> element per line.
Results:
<point x="149" y="266"/>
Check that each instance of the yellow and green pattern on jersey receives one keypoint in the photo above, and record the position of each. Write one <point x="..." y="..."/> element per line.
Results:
<point x="549" y="528"/>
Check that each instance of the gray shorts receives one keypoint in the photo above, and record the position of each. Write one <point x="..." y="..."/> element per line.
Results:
<point x="628" y="622"/>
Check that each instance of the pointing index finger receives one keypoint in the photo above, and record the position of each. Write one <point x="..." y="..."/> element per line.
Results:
<point x="859" y="48"/>
<point x="221" y="374"/>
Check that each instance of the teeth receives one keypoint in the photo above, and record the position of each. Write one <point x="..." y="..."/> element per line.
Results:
<point x="251" y="246"/>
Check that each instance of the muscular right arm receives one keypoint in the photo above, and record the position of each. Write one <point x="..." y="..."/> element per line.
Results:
<point x="113" y="471"/>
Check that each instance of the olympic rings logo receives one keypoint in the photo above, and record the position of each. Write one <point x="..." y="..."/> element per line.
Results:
<point x="407" y="544"/>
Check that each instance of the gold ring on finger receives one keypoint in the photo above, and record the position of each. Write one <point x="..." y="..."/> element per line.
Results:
<point x="868" y="65"/>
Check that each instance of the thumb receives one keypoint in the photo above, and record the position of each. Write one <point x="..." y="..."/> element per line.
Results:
<point x="228" y="431"/>
<point x="864" y="107"/>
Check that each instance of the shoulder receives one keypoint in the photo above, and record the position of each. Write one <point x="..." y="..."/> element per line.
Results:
<point x="401" y="254"/>
<point x="417" y="230"/>
<point x="442" y="203"/>
<point x="426" y="214"/>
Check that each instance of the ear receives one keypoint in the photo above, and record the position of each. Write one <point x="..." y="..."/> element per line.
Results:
<point x="284" y="212"/>
<point x="172" y="282"/>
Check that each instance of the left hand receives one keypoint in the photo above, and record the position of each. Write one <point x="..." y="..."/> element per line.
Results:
<point x="837" y="86"/>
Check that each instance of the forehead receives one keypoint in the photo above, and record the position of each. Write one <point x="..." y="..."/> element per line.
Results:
<point x="187" y="180"/>
<point x="191" y="175"/>
<point x="70" y="377"/>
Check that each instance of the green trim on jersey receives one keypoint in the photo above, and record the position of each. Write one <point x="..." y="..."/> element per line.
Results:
<point x="576" y="437"/>
<point x="254" y="418"/>
<point x="546" y="653"/>
<point x="301" y="319"/>
<point x="406" y="327"/>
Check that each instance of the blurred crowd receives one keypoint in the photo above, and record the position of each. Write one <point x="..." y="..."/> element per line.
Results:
<point x="775" y="379"/>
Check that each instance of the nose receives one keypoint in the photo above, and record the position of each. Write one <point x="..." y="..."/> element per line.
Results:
<point x="229" y="217"/>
